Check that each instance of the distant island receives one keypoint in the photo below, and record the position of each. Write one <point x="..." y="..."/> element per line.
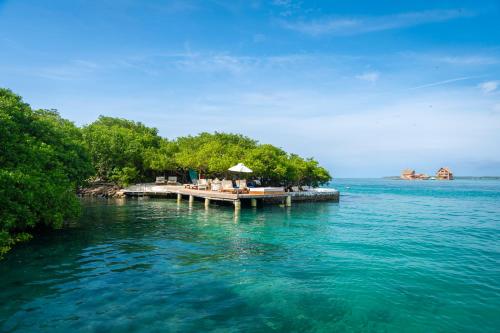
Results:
<point x="455" y="177"/>
<point x="442" y="174"/>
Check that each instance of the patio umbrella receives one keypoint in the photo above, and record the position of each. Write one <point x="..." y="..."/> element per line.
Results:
<point x="241" y="168"/>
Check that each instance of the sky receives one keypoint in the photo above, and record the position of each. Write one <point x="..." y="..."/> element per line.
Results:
<point x="368" y="88"/>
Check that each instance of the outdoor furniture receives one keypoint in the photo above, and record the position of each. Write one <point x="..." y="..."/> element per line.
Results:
<point x="194" y="185"/>
<point x="216" y="185"/>
<point x="241" y="184"/>
<point x="227" y="186"/>
<point x="160" y="180"/>
<point x="203" y="184"/>
<point x="172" y="180"/>
<point x="295" y="189"/>
<point x="267" y="190"/>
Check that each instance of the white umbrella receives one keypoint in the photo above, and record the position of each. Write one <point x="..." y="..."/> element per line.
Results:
<point x="240" y="167"/>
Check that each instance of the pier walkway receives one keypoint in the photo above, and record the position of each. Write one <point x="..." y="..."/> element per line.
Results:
<point x="178" y="191"/>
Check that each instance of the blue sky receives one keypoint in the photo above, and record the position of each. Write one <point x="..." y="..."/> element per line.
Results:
<point x="368" y="88"/>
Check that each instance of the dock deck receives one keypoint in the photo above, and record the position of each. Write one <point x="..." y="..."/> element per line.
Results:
<point x="179" y="191"/>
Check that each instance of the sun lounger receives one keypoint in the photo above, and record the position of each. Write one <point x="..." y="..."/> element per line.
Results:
<point x="194" y="185"/>
<point x="160" y="180"/>
<point x="172" y="180"/>
<point x="203" y="184"/>
<point x="227" y="186"/>
<point x="267" y="190"/>
<point x="242" y="184"/>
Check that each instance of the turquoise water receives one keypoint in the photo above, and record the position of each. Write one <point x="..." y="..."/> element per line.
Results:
<point x="392" y="256"/>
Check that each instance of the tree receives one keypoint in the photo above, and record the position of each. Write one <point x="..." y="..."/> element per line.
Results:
<point x="115" y="144"/>
<point x="42" y="160"/>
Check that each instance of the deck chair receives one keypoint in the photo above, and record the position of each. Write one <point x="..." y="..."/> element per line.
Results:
<point x="216" y="185"/>
<point x="242" y="184"/>
<point x="194" y="185"/>
<point x="160" y="180"/>
<point x="172" y="180"/>
<point x="202" y="184"/>
<point x="227" y="186"/>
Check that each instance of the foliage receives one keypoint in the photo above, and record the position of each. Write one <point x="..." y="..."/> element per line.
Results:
<point x="124" y="176"/>
<point x="125" y="151"/>
<point x="212" y="154"/>
<point x="161" y="159"/>
<point x="115" y="144"/>
<point x="42" y="160"/>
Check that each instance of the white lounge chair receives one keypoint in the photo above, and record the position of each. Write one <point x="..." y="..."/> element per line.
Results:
<point x="172" y="180"/>
<point x="203" y="184"/>
<point x="242" y="184"/>
<point x="194" y="185"/>
<point x="160" y="180"/>
<point x="227" y="186"/>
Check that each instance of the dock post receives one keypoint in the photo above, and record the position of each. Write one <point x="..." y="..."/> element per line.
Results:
<point x="253" y="202"/>
<point x="179" y="197"/>
<point x="237" y="204"/>
<point x="288" y="201"/>
<point x="207" y="202"/>
<point x="191" y="199"/>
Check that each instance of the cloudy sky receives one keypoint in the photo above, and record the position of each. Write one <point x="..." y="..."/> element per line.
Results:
<point x="368" y="88"/>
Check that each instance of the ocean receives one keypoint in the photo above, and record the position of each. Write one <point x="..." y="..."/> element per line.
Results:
<point x="391" y="256"/>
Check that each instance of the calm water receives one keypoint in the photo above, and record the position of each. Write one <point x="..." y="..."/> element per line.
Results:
<point x="392" y="256"/>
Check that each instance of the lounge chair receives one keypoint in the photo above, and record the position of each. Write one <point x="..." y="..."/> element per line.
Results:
<point x="242" y="184"/>
<point x="227" y="186"/>
<point x="295" y="189"/>
<point x="216" y="185"/>
<point x="160" y="180"/>
<point x="203" y="184"/>
<point x="172" y="180"/>
<point x="194" y="185"/>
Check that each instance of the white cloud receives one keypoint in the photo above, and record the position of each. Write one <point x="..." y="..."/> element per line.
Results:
<point x="360" y="25"/>
<point x="469" y="60"/>
<point x="288" y="7"/>
<point x="489" y="86"/>
<point x="440" y="83"/>
<point x="368" y="76"/>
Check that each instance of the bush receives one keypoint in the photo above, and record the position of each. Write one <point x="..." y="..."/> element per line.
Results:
<point x="42" y="161"/>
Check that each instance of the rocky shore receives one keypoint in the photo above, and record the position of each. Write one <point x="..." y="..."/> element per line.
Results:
<point x="101" y="190"/>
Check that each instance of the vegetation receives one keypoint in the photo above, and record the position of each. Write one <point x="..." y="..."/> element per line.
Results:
<point x="121" y="150"/>
<point x="45" y="158"/>
<point x="42" y="161"/>
<point x="126" y="151"/>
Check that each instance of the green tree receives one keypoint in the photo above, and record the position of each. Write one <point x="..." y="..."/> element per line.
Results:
<point x="161" y="159"/>
<point x="42" y="160"/>
<point x="115" y="144"/>
<point x="212" y="154"/>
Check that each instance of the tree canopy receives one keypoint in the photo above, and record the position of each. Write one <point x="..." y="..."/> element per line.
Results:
<point x="42" y="161"/>
<point x="127" y="151"/>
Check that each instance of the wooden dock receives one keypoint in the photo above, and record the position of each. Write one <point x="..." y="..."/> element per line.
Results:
<point x="178" y="191"/>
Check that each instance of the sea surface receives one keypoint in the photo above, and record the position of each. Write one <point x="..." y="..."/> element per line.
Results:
<point x="392" y="256"/>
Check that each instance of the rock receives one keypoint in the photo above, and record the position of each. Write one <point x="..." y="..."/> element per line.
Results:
<point x="104" y="190"/>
